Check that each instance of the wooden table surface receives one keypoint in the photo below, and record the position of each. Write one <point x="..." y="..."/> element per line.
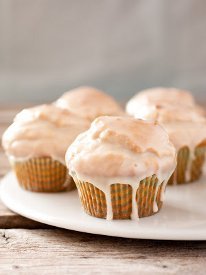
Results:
<point x="28" y="247"/>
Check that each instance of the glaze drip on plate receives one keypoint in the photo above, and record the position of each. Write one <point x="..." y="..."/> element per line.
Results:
<point x="121" y="150"/>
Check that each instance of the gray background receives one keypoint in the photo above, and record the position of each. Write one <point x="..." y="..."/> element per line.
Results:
<point x="120" y="46"/>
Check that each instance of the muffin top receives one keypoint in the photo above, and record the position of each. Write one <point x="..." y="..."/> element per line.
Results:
<point x="41" y="131"/>
<point x="173" y="113"/>
<point x="121" y="150"/>
<point x="149" y="103"/>
<point x="89" y="103"/>
<point x="176" y="110"/>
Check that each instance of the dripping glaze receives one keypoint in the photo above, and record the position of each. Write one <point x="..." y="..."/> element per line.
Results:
<point x="122" y="150"/>
<point x="105" y="186"/>
<point x="177" y="111"/>
<point x="188" y="134"/>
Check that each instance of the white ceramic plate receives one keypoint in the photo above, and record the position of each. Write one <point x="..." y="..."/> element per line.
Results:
<point x="183" y="216"/>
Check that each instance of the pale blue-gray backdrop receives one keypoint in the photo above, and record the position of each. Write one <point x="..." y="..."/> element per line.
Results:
<point x="121" y="46"/>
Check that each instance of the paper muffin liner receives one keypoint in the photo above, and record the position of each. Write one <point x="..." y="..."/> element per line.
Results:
<point x="94" y="201"/>
<point x="42" y="174"/>
<point x="185" y="171"/>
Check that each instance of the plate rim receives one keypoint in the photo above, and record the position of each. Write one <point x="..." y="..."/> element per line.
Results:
<point x="188" y="235"/>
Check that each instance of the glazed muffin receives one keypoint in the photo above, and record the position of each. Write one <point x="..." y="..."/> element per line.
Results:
<point x="185" y="123"/>
<point x="36" y="144"/>
<point x="147" y="104"/>
<point x="89" y="103"/>
<point x="121" y="166"/>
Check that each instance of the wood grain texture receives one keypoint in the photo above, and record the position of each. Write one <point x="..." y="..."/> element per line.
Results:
<point x="69" y="252"/>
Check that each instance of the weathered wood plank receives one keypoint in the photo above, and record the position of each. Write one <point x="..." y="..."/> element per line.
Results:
<point x="9" y="219"/>
<point x="69" y="252"/>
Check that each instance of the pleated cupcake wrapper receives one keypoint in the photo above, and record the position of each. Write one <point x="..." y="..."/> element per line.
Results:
<point x="94" y="201"/>
<point x="42" y="175"/>
<point x="195" y="170"/>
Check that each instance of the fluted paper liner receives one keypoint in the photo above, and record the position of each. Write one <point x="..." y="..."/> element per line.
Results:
<point x="195" y="171"/>
<point x="42" y="174"/>
<point x="94" y="201"/>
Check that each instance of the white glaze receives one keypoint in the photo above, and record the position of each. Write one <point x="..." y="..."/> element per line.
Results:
<point x="135" y="214"/>
<point x="41" y="131"/>
<point x="108" y="202"/>
<point x="88" y="102"/>
<point x="177" y="111"/>
<point x="189" y="134"/>
<point x="155" y="206"/>
<point x="148" y="103"/>
<point x="121" y="150"/>
<point x="162" y="194"/>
